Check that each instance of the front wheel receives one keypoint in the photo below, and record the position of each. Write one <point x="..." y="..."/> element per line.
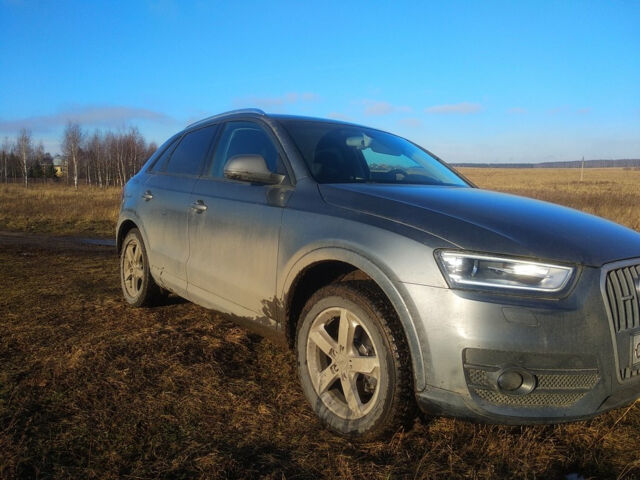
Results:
<point x="353" y="361"/>
<point x="138" y="286"/>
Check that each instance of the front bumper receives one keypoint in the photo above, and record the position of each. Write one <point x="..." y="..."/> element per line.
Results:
<point x="572" y="350"/>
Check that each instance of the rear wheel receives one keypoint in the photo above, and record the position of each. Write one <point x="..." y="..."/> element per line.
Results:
<point x="353" y="362"/>
<point x="138" y="286"/>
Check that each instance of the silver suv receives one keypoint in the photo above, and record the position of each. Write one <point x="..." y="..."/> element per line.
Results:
<point x="397" y="281"/>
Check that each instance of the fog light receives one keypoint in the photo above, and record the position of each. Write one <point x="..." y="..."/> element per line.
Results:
<point x="515" y="381"/>
<point x="510" y="381"/>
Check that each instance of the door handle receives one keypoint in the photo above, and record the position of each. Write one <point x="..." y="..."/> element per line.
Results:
<point x="147" y="195"/>
<point x="199" y="206"/>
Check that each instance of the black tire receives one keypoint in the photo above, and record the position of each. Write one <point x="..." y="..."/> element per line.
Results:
<point x="142" y="290"/>
<point x="393" y="394"/>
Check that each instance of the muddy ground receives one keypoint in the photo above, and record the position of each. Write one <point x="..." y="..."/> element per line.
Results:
<point x="90" y="388"/>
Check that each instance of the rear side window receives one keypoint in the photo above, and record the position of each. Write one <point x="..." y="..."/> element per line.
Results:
<point x="188" y="156"/>
<point x="240" y="138"/>
<point x="159" y="162"/>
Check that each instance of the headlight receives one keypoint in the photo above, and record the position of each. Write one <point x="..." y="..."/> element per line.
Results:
<point x="469" y="270"/>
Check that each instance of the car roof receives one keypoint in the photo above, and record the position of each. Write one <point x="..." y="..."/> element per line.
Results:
<point x="282" y="116"/>
<point x="256" y="112"/>
<point x="242" y="111"/>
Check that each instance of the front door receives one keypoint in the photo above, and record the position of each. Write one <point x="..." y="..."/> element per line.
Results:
<point x="234" y="235"/>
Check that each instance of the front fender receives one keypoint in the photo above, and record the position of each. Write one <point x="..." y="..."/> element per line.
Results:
<point x="386" y="281"/>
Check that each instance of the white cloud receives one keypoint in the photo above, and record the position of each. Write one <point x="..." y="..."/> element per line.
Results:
<point x="338" y="116"/>
<point x="463" y="108"/>
<point x="96" y="116"/>
<point x="557" y="110"/>
<point x="569" y="110"/>
<point x="517" y="110"/>
<point x="278" y="101"/>
<point x="411" y="122"/>
<point x="374" y="107"/>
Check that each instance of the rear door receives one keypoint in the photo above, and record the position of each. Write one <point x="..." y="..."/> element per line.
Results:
<point x="234" y="242"/>
<point x="166" y="206"/>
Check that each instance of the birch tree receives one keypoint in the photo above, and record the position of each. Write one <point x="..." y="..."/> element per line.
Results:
<point x="38" y="158"/>
<point x="23" y="144"/>
<point x="71" y="140"/>
<point x="5" y="153"/>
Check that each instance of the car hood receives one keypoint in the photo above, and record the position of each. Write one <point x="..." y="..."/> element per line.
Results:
<point x="486" y="221"/>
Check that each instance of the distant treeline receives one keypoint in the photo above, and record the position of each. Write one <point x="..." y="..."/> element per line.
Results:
<point x="626" y="163"/>
<point x="101" y="158"/>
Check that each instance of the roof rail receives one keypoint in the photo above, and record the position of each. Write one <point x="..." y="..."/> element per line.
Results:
<point x="256" y="111"/>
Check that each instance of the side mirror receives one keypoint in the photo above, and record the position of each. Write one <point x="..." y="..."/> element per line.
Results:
<point x="251" y="168"/>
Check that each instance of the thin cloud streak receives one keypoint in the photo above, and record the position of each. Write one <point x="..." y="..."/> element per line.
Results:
<point x="411" y="122"/>
<point x="338" y="116"/>
<point x="278" y="101"/>
<point x="557" y="110"/>
<point x="517" y="111"/>
<point x="97" y="116"/>
<point x="463" y="108"/>
<point x="569" y="110"/>
<point x="373" y="108"/>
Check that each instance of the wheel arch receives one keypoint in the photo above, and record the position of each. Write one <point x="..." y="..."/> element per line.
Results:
<point x="127" y="221"/>
<point x="326" y="265"/>
<point x="123" y="228"/>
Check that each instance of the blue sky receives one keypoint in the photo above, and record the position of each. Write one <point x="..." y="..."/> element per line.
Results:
<point x="472" y="81"/>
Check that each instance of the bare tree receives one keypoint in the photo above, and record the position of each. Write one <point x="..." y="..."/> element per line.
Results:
<point x="94" y="156"/>
<point x="71" y="140"/>
<point x="6" y="152"/>
<point x="38" y="157"/>
<point x="109" y="146"/>
<point x="103" y="159"/>
<point x="23" y="144"/>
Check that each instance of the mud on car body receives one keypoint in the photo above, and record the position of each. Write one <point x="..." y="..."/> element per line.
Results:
<point x="396" y="281"/>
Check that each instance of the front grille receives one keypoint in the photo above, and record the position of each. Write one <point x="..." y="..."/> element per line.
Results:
<point x="622" y="297"/>
<point x="531" y="400"/>
<point x="553" y="388"/>
<point x="627" y="373"/>
<point x="559" y="380"/>
<point x="478" y="377"/>
<point x="567" y="382"/>
<point x="545" y="381"/>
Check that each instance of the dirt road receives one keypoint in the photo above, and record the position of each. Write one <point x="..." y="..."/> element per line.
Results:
<point x="48" y="242"/>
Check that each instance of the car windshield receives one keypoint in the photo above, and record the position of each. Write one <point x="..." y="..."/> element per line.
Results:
<point x="342" y="153"/>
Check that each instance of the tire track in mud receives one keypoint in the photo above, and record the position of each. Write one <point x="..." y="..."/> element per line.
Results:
<point x="51" y="242"/>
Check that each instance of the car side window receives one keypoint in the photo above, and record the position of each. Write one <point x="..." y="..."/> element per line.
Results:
<point x="160" y="161"/>
<point x="249" y="138"/>
<point x="188" y="156"/>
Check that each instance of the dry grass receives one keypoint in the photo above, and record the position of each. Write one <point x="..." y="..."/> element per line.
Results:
<point x="59" y="209"/>
<point x="612" y="193"/>
<point x="90" y="388"/>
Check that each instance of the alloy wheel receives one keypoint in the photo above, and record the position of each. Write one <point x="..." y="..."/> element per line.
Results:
<point x="133" y="268"/>
<point x="343" y="363"/>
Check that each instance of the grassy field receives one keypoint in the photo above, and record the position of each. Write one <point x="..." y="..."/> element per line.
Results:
<point x="59" y="209"/>
<point x="612" y="193"/>
<point x="90" y="388"/>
